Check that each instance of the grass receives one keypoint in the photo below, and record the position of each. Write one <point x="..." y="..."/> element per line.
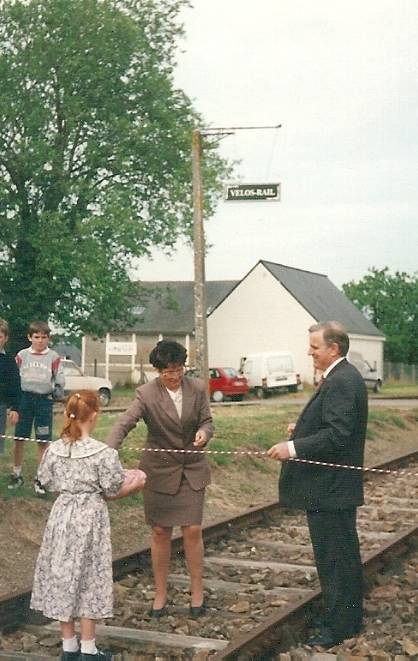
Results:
<point x="382" y="418"/>
<point x="397" y="389"/>
<point x="247" y="428"/>
<point x="389" y="389"/>
<point x="124" y="391"/>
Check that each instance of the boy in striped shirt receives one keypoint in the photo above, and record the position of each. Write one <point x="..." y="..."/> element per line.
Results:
<point x="40" y="372"/>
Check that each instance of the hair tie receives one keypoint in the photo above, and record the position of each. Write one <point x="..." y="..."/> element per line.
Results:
<point x="77" y="394"/>
<point x="72" y="415"/>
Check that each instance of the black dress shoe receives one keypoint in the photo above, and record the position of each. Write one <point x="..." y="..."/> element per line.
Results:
<point x="156" y="613"/>
<point x="71" y="656"/>
<point x="318" y="622"/>
<point x="197" y="611"/>
<point x="324" y="638"/>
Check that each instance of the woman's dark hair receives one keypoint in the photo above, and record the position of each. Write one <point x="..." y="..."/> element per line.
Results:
<point x="167" y="352"/>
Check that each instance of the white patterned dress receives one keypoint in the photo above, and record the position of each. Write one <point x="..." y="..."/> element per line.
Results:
<point x="73" y="574"/>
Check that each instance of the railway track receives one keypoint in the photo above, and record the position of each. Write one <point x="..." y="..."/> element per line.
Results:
<point x="260" y="581"/>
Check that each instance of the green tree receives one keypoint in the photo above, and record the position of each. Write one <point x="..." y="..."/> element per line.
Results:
<point x="95" y="163"/>
<point x="391" y="303"/>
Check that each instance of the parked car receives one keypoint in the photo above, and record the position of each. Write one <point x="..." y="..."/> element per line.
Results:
<point x="225" y="382"/>
<point x="76" y="380"/>
<point x="270" y="371"/>
<point x="370" y="375"/>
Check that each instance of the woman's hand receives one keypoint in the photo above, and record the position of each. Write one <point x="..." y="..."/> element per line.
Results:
<point x="200" y="439"/>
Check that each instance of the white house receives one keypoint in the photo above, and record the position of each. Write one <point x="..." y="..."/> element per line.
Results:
<point x="271" y="309"/>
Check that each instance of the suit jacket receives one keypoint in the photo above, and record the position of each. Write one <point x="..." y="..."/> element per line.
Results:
<point x="331" y="428"/>
<point x="166" y="430"/>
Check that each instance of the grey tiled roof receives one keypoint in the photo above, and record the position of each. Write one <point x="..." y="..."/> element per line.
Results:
<point x="168" y="307"/>
<point x="323" y="300"/>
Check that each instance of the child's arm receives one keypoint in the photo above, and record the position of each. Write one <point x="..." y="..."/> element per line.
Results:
<point x="58" y="377"/>
<point x="133" y="482"/>
<point x="14" y="392"/>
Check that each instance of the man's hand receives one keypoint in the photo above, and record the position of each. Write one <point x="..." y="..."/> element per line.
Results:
<point x="200" y="439"/>
<point x="280" y="451"/>
<point x="291" y="428"/>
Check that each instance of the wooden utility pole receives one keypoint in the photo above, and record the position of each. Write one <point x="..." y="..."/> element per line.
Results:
<point x="201" y="334"/>
<point x="200" y="325"/>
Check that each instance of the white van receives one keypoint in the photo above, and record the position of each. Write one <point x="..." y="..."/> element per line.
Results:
<point x="270" y="371"/>
<point x="370" y="375"/>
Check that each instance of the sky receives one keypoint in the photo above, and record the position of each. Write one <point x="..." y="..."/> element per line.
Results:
<point x="341" y="77"/>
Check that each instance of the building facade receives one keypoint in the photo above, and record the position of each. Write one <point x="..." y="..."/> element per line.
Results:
<point x="270" y="309"/>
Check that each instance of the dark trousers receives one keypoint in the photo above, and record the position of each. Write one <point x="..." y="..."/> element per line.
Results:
<point x="337" y="557"/>
<point x="35" y="410"/>
<point x="3" y="421"/>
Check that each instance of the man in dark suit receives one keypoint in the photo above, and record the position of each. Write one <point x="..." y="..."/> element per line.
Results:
<point x="331" y="428"/>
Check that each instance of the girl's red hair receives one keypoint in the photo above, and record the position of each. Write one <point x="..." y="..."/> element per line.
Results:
<point x="79" y="407"/>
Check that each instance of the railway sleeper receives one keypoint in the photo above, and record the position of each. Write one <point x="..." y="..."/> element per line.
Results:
<point x="24" y="656"/>
<point x="259" y="564"/>
<point x="122" y="639"/>
<point x="218" y="585"/>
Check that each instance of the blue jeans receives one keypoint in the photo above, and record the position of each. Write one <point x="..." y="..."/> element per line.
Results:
<point x="35" y="410"/>
<point x="3" y="420"/>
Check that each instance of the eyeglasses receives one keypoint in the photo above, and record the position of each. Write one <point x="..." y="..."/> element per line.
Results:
<point x="173" y="372"/>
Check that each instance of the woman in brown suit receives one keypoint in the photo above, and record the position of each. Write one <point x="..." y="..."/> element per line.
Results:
<point x="176" y="411"/>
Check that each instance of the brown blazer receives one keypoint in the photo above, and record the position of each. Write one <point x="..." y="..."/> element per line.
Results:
<point x="166" y="430"/>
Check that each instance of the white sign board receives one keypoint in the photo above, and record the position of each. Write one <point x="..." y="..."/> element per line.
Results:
<point x="121" y="348"/>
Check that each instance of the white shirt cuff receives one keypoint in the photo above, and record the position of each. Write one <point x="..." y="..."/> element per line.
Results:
<point x="292" y="449"/>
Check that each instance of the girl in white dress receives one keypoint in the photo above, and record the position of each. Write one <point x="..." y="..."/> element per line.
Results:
<point x="73" y="574"/>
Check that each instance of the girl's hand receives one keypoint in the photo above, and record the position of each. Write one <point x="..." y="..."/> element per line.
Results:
<point x="135" y="479"/>
<point x="133" y="482"/>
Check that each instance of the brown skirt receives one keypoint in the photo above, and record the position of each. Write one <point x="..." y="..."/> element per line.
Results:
<point x="184" y="508"/>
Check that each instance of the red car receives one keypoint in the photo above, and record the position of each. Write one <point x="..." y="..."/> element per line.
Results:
<point x="225" y="382"/>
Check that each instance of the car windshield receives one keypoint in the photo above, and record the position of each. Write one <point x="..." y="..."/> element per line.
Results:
<point x="70" y="369"/>
<point x="230" y="371"/>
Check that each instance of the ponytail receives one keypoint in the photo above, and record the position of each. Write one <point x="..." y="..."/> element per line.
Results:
<point x="79" y="407"/>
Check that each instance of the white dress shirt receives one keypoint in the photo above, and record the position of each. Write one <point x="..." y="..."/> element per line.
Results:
<point x="177" y="397"/>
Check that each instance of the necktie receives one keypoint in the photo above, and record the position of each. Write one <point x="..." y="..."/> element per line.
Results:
<point x="321" y="381"/>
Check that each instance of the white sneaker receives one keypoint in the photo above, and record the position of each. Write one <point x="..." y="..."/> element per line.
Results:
<point x="15" y="481"/>
<point x="39" y="489"/>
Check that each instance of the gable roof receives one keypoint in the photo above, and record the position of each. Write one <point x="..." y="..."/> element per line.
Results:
<point x="321" y="298"/>
<point x="167" y="307"/>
